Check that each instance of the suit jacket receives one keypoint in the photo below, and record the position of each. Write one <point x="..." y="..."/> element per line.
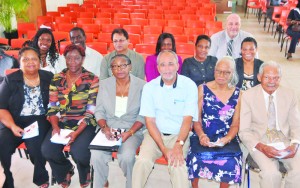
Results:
<point x="12" y="92"/>
<point x="240" y="70"/>
<point x="254" y="119"/>
<point x="106" y="103"/>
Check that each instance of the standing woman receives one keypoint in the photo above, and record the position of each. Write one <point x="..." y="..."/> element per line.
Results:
<point x="219" y="107"/>
<point x="118" y="107"/>
<point x="200" y="68"/>
<point x="165" y="41"/>
<point x="293" y="20"/>
<point x="44" y="42"/>
<point x="72" y="104"/>
<point x="24" y="96"/>
<point x="247" y="66"/>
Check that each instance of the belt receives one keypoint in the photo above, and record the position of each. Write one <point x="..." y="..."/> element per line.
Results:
<point x="166" y="134"/>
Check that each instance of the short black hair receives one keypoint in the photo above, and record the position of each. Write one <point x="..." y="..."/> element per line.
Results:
<point x="78" y="29"/>
<point x="125" y="57"/>
<point x="161" y="39"/>
<point x="119" y="31"/>
<point x="27" y="48"/>
<point x="249" y="39"/>
<point x="205" y="37"/>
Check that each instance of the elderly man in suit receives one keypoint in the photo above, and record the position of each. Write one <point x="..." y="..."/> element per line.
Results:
<point x="118" y="106"/>
<point x="266" y="108"/>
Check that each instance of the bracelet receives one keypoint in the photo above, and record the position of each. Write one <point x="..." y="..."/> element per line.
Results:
<point x="131" y="132"/>
<point x="201" y="136"/>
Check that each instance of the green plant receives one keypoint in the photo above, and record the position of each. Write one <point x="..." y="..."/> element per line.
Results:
<point x="9" y="8"/>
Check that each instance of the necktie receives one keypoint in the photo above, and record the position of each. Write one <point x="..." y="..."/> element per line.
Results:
<point x="229" y="48"/>
<point x="271" y="114"/>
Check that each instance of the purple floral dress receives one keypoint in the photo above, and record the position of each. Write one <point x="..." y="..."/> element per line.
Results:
<point x="222" y="164"/>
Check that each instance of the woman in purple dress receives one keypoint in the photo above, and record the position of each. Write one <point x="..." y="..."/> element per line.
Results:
<point x="214" y="151"/>
<point x="165" y="41"/>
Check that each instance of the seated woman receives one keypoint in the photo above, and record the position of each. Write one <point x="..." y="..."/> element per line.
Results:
<point x="214" y="148"/>
<point x="165" y="41"/>
<point x="24" y="97"/>
<point x="293" y="20"/>
<point x="200" y="68"/>
<point x="247" y="66"/>
<point x="44" y="42"/>
<point x="118" y="106"/>
<point x="72" y="103"/>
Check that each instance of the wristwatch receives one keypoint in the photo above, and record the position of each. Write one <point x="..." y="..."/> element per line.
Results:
<point x="181" y="142"/>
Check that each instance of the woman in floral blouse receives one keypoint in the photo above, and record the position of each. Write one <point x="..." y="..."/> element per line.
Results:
<point x="71" y="106"/>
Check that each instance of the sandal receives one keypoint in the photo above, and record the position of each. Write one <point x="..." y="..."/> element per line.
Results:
<point x="87" y="181"/>
<point x="67" y="182"/>
<point x="45" y="185"/>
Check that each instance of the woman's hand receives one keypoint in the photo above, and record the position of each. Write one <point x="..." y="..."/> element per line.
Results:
<point x="55" y="130"/>
<point x="204" y="140"/>
<point x="72" y="136"/>
<point x="108" y="133"/>
<point x="125" y="136"/>
<point x="17" y="131"/>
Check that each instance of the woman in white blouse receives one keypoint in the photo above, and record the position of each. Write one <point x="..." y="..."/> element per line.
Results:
<point x="118" y="106"/>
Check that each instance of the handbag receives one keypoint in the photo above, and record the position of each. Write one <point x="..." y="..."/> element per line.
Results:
<point x="296" y="27"/>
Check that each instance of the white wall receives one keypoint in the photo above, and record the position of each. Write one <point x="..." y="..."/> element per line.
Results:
<point x="52" y="5"/>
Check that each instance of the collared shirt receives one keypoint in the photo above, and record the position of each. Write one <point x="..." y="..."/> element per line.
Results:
<point x="92" y="61"/>
<point x="219" y="44"/>
<point x="137" y="64"/>
<point x="169" y="104"/>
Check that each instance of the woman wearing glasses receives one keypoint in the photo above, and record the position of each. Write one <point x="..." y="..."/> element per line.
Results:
<point x="118" y="106"/>
<point x="214" y="149"/>
<point x="72" y="104"/>
<point x="165" y="41"/>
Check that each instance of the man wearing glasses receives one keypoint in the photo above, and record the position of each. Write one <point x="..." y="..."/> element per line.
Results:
<point x="120" y="40"/>
<point x="270" y="127"/>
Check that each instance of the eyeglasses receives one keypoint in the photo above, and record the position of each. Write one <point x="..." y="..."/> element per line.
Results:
<point x="225" y="73"/>
<point x="119" y="41"/>
<point x="273" y="78"/>
<point x="116" y="67"/>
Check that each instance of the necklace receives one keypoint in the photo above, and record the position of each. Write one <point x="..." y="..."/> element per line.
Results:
<point x="32" y="83"/>
<point x="124" y="89"/>
<point x="74" y="79"/>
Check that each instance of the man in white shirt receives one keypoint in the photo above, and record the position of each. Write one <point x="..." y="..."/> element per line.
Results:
<point x="266" y="109"/>
<point x="221" y="40"/>
<point x="93" y="59"/>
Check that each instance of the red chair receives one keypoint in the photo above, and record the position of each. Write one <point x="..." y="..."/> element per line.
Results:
<point x="64" y="19"/>
<point x="139" y="21"/>
<point x="72" y="15"/>
<point x="185" y="48"/>
<point x="137" y="15"/>
<point x="133" y="29"/>
<point x="53" y="14"/>
<point x="173" y="30"/>
<point x="181" y="38"/>
<point x="104" y="37"/>
<point x="81" y="21"/>
<point x="212" y="31"/>
<point x="122" y="21"/>
<point x="134" y="39"/>
<point x="189" y="17"/>
<point x="103" y="15"/>
<point x="23" y="28"/>
<point x="121" y="15"/>
<point x="252" y="4"/>
<point x="14" y="53"/>
<point x="62" y="10"/>
<point x="45" y="20"/>
<point x="178" y="23"/>
<point x="155" y="16"/>
<point x="194" y="24"/>
<point x="157" y="22"/>
<point x="205" y="18"/>
<point x="17" y="43"/>
<point x="101" y="47"/>
<point x="101" y="21"/>
<point x="79" y="9"/>
<point x="63" y="45"/>
<point x="72" y="6"/>
<point x="172" y="16"/>
<point x="65" y="27"/>
<point x="145" y="48"/>
<point x="150" y="38"/>
<point x="86" y="15"/>
<point x="191" y="32"/>
<point x="151" y="29"/>
<point x="91" y="28"/>
<point x="108" y="28"/>
<point x="7" y="72"/>
<point x="60" y="35"/>
<point x="89" y="37"/>
<point x="3" y="41"/>
<point x="31" y="34"/>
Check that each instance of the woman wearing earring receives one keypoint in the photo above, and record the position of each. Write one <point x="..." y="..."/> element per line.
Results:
<point x="165" y="41"/>
<point x="72" y="104"/>
<point x="24" y="97"/>
<point x="118" y="106"/>
<point x="200" y="68"/>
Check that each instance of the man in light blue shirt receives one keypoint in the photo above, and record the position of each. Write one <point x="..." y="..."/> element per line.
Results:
<point x="169" y="104"/>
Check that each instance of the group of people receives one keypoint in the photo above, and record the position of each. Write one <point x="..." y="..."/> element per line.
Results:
<point x="196" y="113"/>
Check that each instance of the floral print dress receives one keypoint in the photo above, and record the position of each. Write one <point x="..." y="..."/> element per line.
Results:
<point x="222" y="164"/>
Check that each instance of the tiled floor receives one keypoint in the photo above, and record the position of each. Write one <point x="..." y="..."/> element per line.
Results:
<point x="268" y="50"/>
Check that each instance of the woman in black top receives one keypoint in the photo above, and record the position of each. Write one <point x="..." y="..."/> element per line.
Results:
<point x="24" y="97"/>
<point x="247" y="66"/>
<point x="293" y="19"/>
<point x="200" y="68"/>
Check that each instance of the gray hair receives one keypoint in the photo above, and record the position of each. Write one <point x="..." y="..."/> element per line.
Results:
<point x="234" y="77"/>
<point x="167" y="51"/>
<point x="271" y="64"/>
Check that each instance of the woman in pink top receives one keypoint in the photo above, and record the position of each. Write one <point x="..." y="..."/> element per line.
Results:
<point x="165" y="41"/>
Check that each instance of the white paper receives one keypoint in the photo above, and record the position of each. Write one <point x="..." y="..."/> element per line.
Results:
<point x="61" y="138"/>
<point x="283" y="154"/>
<point x="31" y="131"/>
<point x="217" y="143"/>
<point x="277" y="145"/>
<point x="101" y="140"/>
